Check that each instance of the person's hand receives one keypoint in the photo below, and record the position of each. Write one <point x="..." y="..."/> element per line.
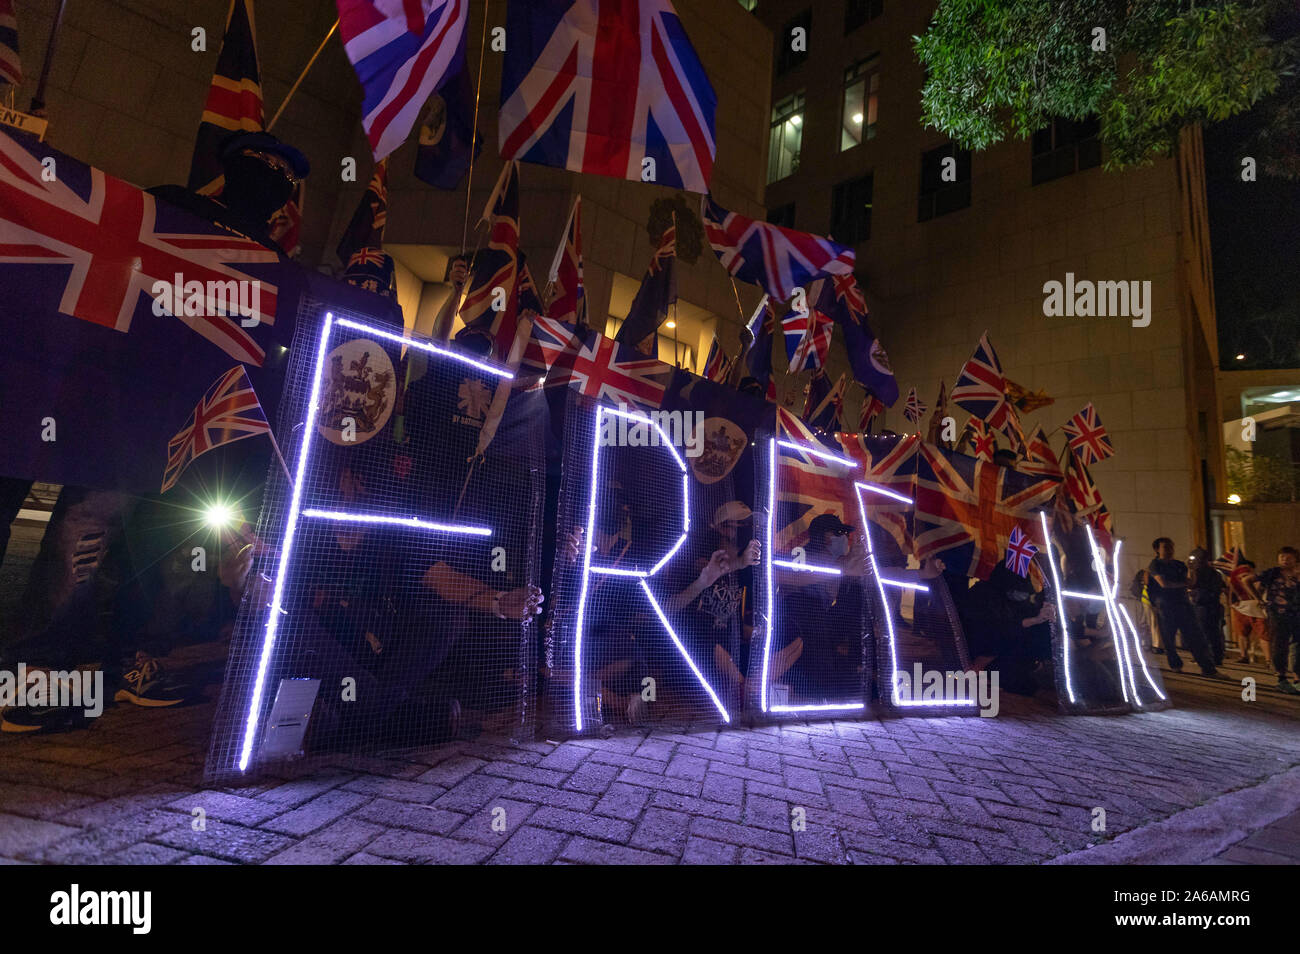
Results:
<point x="521" y="603"/>
<point x="751" y="555"/>
<point x="459" y="273"/>
<point x="1047" y="614"/>
<point x="719" y="565"/>
<point x="237" y="561"/>
<point x="932" y="568"/>
<point x="573" y="544"/>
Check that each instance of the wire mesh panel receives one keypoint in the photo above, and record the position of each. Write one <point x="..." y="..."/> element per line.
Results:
<point x="650" y="580"/>
<point x="393" y="598"/>
<point x="1098" y="659"/>
<point x="813" y="591"/>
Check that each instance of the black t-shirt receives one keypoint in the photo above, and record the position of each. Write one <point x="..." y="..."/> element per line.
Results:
<point x="1173" y="571"/>
<point x="1281" y="593"/>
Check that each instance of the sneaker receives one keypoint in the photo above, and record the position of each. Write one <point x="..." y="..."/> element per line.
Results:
<point x="1288" y="687"/>
<point x="21" y="719"/>
<point x="145" y="685"/>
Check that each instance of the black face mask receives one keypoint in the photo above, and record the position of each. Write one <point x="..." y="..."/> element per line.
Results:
<point x="255" y="188"/>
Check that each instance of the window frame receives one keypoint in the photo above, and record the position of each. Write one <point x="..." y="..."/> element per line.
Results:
<point x="867" y="72"/>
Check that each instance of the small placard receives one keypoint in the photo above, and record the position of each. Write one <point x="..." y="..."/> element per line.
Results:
<point x="24" y="122"/>
<point x="287" y="724"/>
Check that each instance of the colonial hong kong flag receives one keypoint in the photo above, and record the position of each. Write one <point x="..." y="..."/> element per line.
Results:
<point x="602" y="86"/>
<point x="11" y="70"/>
<point x="842" y="299"/>
<point x="777" y="259"/>
<point x="871" y="407"/>
<point x="657" y="294"/>
<point x="234" y="100"/>
<point x="402" y="51"/>
<point x="718" y="364"/>
<point x="101" y="245"/>
<point x="1020" y="551"/>
<point x="229" y="411"/>
<point x="1087" y="437"/>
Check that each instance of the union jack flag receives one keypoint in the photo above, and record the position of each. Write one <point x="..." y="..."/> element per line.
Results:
<point x="1238" y="573"/>
<point x="966" y="509"/>
<point x="11" y="70"/>
<point x="807" y="339"/>
<point x="981" y="387"/>
<point x="108" y="243"/>
<point x="894" y="469"/>
<point x="1082" y="499"/>
<point x="913" y="409"/>
<point x="497" y="266"/>
<point x="777" y="259"/>
<point x="402" y="51"/>
<point x="550" y="338"/>
<point x="871" y="406"/>
<point x="228" y="412"/>
<point x="599" y="86"/>
<point x="825" y="414"/>
<point x="569" y="296"/>
<point x="1039" y="457"/>
<point x="807" y="484"/>
<point x="981" y="439"/>
<point x="1020" y="551"/>
<point x="1087" y="437"/>
<point x="605" y="369"/>
<point x="529" y="300"/>
<point x="718" y="364"/>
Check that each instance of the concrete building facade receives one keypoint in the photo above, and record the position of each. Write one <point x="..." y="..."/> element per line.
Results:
<point x="942" y="262"/>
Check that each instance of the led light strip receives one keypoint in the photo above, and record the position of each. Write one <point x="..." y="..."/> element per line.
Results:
<point x="807" y="567"/>
<point x="640" y="575"/>
<point x="770" y="562"/>
<point x="877" y="489"/>
<point x="423" y="346"/>
<point x="1117" y="634"/>
<point x="903" y="584"/>
<point x="1060" y="607"/>
<point x="276" y="606"/>
<point x="412" y="522"/>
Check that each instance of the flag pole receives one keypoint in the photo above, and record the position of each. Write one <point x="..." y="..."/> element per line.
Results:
<point x="301" y="76"/>
<point x="38" y="98"/>
<point x="473" y="135"/>
<point x="275" y="445"/>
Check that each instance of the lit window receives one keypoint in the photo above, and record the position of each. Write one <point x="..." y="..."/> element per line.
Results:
<point x="858" y="110"/>
<point x="787" y="137"/>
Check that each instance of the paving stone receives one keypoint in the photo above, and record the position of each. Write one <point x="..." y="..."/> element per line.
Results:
<point x="317" y="813"/>
<point x="530" y="846"/>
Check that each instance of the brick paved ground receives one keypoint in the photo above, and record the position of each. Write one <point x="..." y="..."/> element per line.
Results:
<point x="1018" y="788"/>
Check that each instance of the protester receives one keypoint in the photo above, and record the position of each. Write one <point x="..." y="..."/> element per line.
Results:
<point x="1168" y="584"/>
<point x="1206" y="591"/>
<point x="1279" y="589"/>
<point x="712" y="605"/>
<point x="1249" y="620"/>
<point x="823" y="611"/>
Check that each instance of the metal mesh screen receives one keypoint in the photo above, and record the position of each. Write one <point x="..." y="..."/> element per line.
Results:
<point x="813" y="655"/>
<point x="641" y="633"/>
<point x="1098" y="660"/>
<point x="394" y="569"/>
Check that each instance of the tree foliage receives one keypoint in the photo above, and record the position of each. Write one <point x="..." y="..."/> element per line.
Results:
<point x="999" y="67"/>
<point x="1260" y="478"/>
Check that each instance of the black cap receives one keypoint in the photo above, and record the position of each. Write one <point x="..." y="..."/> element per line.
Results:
<point x="260" y="141"/>
<point x="828" y="523"/>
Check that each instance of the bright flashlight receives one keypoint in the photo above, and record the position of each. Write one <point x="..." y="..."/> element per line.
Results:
<point x="219" y="516"/>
